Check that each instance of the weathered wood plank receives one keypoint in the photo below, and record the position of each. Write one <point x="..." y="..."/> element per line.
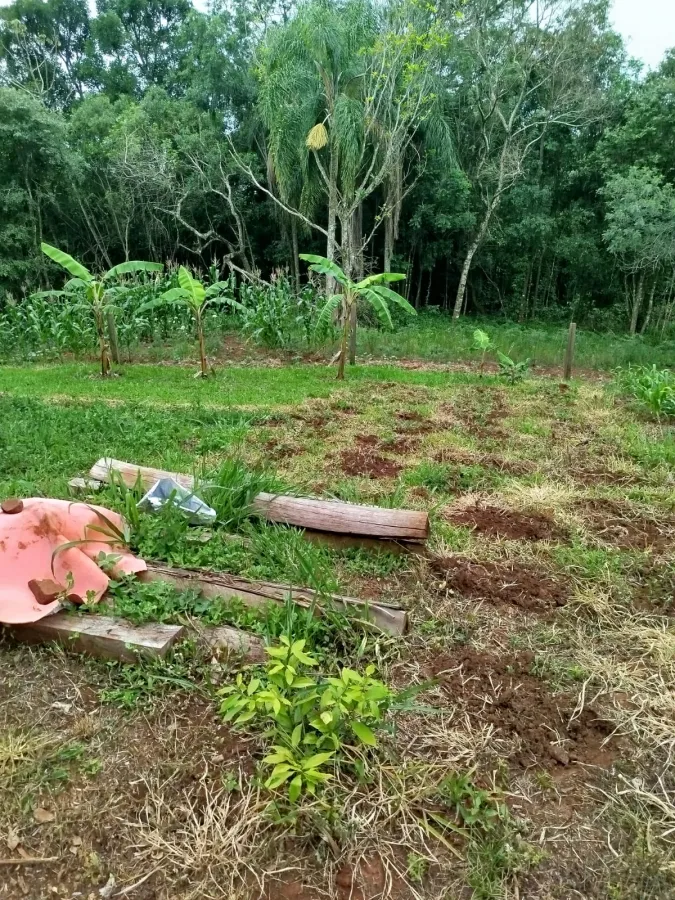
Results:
<point x="331" y="516"/>
<point x="260" y="593"/>
<point x="344" y="518"/>
<point x="106" y="469"/>
<point x="101" y="636"/>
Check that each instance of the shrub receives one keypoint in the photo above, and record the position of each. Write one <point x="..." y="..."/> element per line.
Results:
<point x="312" y="721"/>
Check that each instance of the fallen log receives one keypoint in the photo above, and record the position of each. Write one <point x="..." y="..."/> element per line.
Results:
<point x="259" y="593"/>
<point x="110" y="638"/>
<point x="332" y="516"/>
<point x="101" y="636"/>
<point x="344" y="518"/>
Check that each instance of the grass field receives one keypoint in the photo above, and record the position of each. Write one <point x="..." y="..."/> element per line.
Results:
<point x="535" y="761"/>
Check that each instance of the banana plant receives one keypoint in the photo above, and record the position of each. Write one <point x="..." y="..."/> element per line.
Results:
<point x="97" y="294"/>
<point x="373" y="289"/>
<point x="193" y="294"/>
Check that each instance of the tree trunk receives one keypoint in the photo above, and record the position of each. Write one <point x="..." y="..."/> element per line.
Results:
<point x="103" y="348"/>
<point x="203" y="366"/>
<point x="637" y="303"/>
<point x="357" y="243"/>
<point x="332" y="216"/>
<point x="352" y="333"/>
<point x="343" y="345"/>
<point x="112" y="336"/>
<point x="464" y="277"/>
<point x="650" y="307"/>
<point x="295" y="252"/>
<point x="388" y="242"/>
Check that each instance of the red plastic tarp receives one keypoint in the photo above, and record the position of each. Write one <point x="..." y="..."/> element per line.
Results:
<point x="28" y="540"/>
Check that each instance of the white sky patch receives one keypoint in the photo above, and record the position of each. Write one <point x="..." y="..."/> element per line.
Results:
<point x="647" y="26"/>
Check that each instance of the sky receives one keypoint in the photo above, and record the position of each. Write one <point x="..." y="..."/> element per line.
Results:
<point x="648" y="26"/>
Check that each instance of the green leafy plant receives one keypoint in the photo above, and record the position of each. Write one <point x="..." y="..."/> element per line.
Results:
<point x="312" y="721"/>
<point x="652" y="387"/>
<point x="198" y="298"/>
<point x="512" y="371"/>
<point x="97" y="294"/>
<point x="483" y="344"/>
<point x="470" y="805"/>
<point x="372" y="289"/>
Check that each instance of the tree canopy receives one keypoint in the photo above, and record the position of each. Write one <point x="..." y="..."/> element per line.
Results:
<point x="511" y="158"/>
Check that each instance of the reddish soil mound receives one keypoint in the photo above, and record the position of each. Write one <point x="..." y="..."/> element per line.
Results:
<point x="367" y="440"/>
<point x="502" y="692"/>
<point x="506" y="523"/>
<point x="365" y="461"/>
<point x="277" y="450"/>
<point x="401" y="445"/>
<point x="611" y="523"/>
<point x="411" y="415"/>
<point x="514" y="584"/>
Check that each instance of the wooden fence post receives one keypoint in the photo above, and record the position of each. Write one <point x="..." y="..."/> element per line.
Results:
<point x="569" y="352"/>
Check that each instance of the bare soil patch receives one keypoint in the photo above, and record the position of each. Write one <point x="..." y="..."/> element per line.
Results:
<point x="612" y="522"/>
<point x="501" y="583"/>
<point x="365" y="461"/>
<point x="501" y="691"/>
<point x="505" y="523"/>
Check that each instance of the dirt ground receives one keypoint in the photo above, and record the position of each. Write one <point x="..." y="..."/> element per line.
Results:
<point x="541" y="641"/>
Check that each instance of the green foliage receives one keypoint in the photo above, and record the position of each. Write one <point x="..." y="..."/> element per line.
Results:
<point x="511" y="371"/>
<point x="95" y="293"/>
<point x="312" y="721"/>
<point x="653" y="388"/>
<point x="372" y="289"/>
<point x="276" y="316"/>
<point x="192" y="293"/>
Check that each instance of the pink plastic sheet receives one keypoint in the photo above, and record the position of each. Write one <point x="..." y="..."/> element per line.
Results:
<point x="27" y="543"/>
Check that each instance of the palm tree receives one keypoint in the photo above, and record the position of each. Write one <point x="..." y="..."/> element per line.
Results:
<point x="372" y="289"/>
<point x="344" y="87"/>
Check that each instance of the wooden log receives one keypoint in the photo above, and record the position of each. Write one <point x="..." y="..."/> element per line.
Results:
<point x="259" y="593"/>
<point x="101" y="636"/>
<point x="108" y="470"/>
<point x="344" y="518"/>
<point x="332" y="516"/>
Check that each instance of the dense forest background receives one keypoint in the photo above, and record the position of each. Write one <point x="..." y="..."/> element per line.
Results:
<point x="506" y="155"/>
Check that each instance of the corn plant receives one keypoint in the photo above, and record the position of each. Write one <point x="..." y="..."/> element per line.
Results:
<point x="95" y="294"/>
<point x="193" y="294"/>
<point x="654" y="388"/>
<point x="312" y="721"/>
<point x="372" y="289"/>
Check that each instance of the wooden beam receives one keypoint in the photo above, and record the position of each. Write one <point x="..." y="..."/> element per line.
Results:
<point x="107" y="469"/>
<point x="101" y="636"/>
<point x="344" y="518"/>
<point x="259" y="593"/>
<point x="331" y="516"/>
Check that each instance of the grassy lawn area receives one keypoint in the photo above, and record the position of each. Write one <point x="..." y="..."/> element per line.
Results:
<point x="530" y="753"/>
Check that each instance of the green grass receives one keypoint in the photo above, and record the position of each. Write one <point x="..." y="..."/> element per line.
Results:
<point x="438" y="338"/>
<point x="263" y="388"/>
